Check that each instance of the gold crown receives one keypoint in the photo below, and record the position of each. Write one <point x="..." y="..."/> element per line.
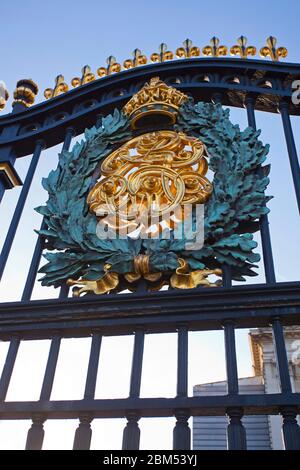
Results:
<point x="155" y="98"/>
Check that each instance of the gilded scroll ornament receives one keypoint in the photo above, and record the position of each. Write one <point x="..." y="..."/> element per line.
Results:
<point x="154" y="174"/>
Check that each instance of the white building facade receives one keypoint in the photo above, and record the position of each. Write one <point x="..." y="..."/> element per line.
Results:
<point x="263" y="432"/>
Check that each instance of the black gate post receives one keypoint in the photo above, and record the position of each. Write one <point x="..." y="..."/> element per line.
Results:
<point x="131" y="433"/>
<point x="236" y="434"/>
<point x="83" y="434"/>
<point x="290" y="428"/>
<point x="182" y="432"/>
<point x="35" y="435"/>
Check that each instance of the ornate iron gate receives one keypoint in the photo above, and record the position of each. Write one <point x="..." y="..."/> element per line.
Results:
<point x="250" y="84"/>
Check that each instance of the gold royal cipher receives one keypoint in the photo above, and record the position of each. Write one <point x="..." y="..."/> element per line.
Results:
<point x="155" y="173"/>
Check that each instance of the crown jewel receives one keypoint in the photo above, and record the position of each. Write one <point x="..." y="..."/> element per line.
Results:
<point x="156" y="97"/>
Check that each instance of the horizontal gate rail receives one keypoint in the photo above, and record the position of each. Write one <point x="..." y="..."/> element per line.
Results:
<point x="149" y="407"/>
<point x="203" y="309"/>
<point x="270" y="83"/>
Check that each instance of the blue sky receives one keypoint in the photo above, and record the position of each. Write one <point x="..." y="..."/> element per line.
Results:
<point x="43" y="39"/>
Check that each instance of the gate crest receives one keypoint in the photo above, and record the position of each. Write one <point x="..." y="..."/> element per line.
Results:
<point x="121" y="172"/>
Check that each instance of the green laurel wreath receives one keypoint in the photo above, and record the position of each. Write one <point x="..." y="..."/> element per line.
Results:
<point x="231" y="214"/>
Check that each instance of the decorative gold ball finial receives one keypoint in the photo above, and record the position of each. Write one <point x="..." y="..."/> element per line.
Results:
<point x="4" y="95"/>
<point x="163" y="54"/>
<point x="242" y="49"/>
<point x="112" y="67"/>
<point x="271" y="51"/>
<point x="59" y="88"/>
<point x="188" y="50"/>
<point x="25" y="92"/>
<point x="87" y="76"/>
<point x="214" y="50"/>
<point x="138" y="59"/>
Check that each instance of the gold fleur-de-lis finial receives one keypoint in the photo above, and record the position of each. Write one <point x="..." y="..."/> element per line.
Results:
<point x="87" y="76"/>
<point x="214" y="49"/>
<point x="112" y="67"/>
<point x="242" y="49"/>
<point x="59" y="88"/>
<point x="138" y="59"/>
<point x="188" y="50"/>
<point x="162" y="55"/>
<point x="271" y="51"/>
<point x="4" y="95"/>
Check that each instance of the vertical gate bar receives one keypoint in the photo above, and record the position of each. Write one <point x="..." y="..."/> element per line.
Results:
<point x="181" y="431"/>
<point x="291" y="147"/>
<point x="37" y="254"/>
<point x="263" y="221"/>
<point x="226" y="275"/>
<point x="64" y="291"/>
<point x="250" y="103"/>
<point x="230" y="354"/>
<point x="137" y="364"/>
<point x="281" y="355"/>
<point x="8" y="367"/>
<point x="70" y="132"/>
<point x="236" y="434"/>
<point x="34" y="265"/>
<point x="50" y="368"/>
<point x="35" y="435"/>
<point x="182" y="361"/>
<point x="91" y="378"/>
<point x="131" y="433"/>
<point x="20" y="206"/>
<point x="226" y="269"/>
<point x="83" y="434"/>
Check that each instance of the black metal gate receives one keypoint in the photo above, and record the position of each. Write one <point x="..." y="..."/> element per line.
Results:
<point x="250" y="84"/>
